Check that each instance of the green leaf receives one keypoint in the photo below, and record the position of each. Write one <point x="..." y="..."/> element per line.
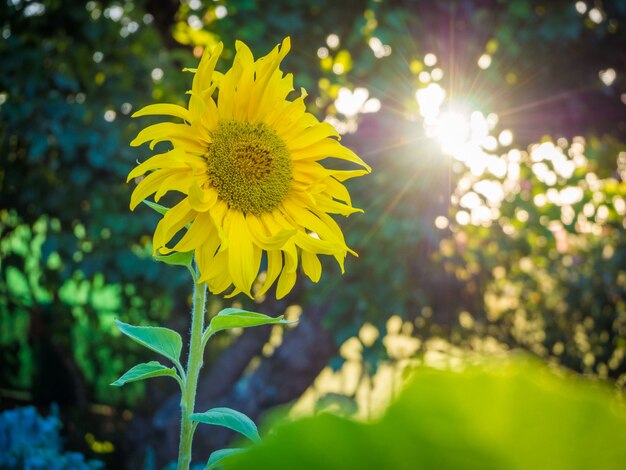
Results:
<point x="498" y="415"/>
<point x="157" y="207"/>
<point x="162" y="340"/>
<point x="231" y="419"/>
<point x="236" y="318"/>
<point x="143" y="371"/>
<point x="177" y="259"/>
<point x="218" y="455"/>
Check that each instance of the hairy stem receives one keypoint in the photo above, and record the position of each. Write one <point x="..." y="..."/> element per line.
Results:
<point x="194" y="364"/>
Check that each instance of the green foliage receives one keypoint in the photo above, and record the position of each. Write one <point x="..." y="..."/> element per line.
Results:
<point x="161" y="340"/>
<point x="551" y="267"/>
<point x="41" y="293"/>
<point x="215" y="461"/>
<point x="177" y="259"/>
<point x="514" y="415"/>
<point x="236" y="318"/>
<point x="231" y="419"/>
<point x="157" y="207"/>
<point x="146" y="371"/>
<point x="69" y="247"/>
<point x="169" y="343"/>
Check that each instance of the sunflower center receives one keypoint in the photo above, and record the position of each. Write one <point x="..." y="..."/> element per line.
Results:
<point x="249" y="166"/>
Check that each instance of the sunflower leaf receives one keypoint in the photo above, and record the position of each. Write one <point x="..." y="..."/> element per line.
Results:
<point x="161" y="340"/>
<point x="146" y="370"/>
<point x="229" y="418"/>
<point x="237" y="318"/>
<point x="216" y="457"/>
<point x="177" y="259"/>
<point x="157" y="207"/>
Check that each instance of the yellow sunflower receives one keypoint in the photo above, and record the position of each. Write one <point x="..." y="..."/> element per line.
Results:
<point x="248" y="162"/>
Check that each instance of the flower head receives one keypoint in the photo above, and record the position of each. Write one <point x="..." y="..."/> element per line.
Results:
<point x="247" y="161"/>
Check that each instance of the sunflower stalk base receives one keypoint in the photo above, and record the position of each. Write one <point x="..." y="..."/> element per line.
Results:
<point x="169" y="344"/>
<point x="194" y="364"/>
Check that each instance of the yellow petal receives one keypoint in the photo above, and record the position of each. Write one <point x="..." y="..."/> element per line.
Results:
<point x="308" y="171"/>
<point x="241" y="254"/>
<point x="196" y="235"/>
<point x="331" y="225"/>
<point x="285" y="47"/>
<point x="315" y="245"/>
<point x="273" y="240"/>
<point x="179" y="180"/>
<point x="288" y="275"/>
<point x="312" y="222"/>
<point x="210" y="115"/>
<point x="274" y="266"/>
<point x="232" y="294"/>
<point x="192" y="139"/>
<point x="343" y="175"/>
<point x="267" y="72"/>
<point x="291" y="257"/>
<point x="303" y="198"/>
<point x="312" y="135"/>
<point x="261" y="102"/>
<point x="202" y="81"/>
<point x="286" y="281"/>
<point x="219" y="284"/>
<point x="206" y="252"/>
<point x="201" y="200"/>
<point x="284" y="87"/>
<point x="340" y="258"/>
<point x="337" y="190"/>
<point x="204" y="73"/>
<point x="197" y="105"/>
<point x="158" y="131"/>
<point x="266" y="64"/>
<point x="303" y="122"/>
<point x="217" y="77"/>
<point x="334" y="207"/>
<point x="227" y="91"/>
<point x="283" y="118"/>
<point x="219" y="278"/>
<point x="215" y="268"/>
<point x="218" y="214"/>
<point x="147" y="186"/>
<point x="164" y="109"/>
<point x="273" y="99"/>
<point x="328" y="148"/>
<point x="173" y="220"/>
<point x="245" y="60"/>
<point x="312" y="266"/>
<point x="162" y="160"/>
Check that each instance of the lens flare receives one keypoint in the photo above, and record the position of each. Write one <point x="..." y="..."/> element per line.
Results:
<point x="452" y="130"/>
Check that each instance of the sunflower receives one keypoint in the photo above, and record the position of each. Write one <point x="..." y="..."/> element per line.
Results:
<point x="247" y="160"/>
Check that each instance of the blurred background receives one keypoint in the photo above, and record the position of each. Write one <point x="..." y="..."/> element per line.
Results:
<point x="495" y="215"/>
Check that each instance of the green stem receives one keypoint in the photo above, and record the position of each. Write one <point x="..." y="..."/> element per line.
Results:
<point x="194" y="364"/>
